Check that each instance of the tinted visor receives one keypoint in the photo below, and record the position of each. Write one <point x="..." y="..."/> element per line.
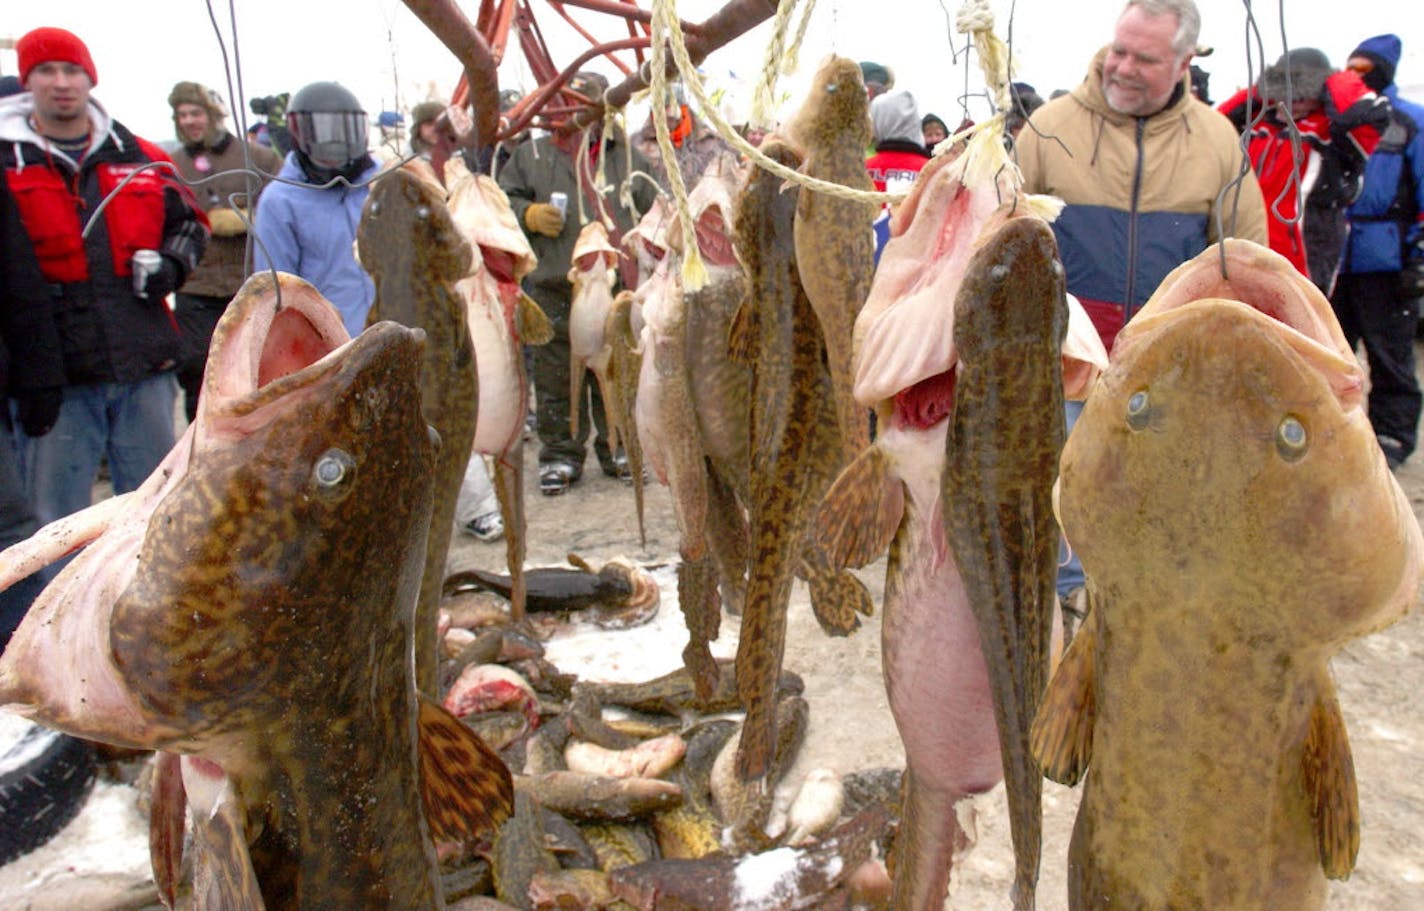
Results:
<point x="329" y="139"/>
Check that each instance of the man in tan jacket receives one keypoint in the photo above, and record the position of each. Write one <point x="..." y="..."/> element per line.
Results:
<point x="215" y="163"/>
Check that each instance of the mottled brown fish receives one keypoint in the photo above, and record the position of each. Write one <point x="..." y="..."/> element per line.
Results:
<point x="1239" y="526"/>
<point x="835" y="245"/>
<point x="625" y="362"/>
<point x="692" y="423"/>
<point x="794" y="451"/>
<point x="415" y="255"/>
<point x="965" y="246"/>
<point x="251" y="606"/>
<point x="618" y="594"/>
<point x="778" y="880"/>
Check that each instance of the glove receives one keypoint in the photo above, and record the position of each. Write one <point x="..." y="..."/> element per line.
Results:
<point x="162" y="281"/>
<point x="1411" y="278"/>
<point x="542" y="218"/>
<point x="227" y="222"/>
<point x="38" y="409"/>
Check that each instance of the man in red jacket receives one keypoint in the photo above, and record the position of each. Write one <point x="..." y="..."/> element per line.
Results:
<point x="899" y="152"/>
<point x="1337" y="123"/>
<point x="63" y="157"/>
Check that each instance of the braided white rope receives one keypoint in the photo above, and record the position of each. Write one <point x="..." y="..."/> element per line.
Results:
<point x="793" y="53"/>
<point x="690" y="78"/>
<point x="762" y="103"/>
<point x="665" y="24"/>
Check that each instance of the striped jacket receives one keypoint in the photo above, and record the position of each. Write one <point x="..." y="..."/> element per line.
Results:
<point x="1143" y="194"/>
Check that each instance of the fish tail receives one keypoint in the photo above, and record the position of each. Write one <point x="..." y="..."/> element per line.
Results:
<point x="837" y="599"/>
<point x="576" y="371"/>
<point x="931" y="835"/>
<point x="509" y="490"/>
<point x="697" y="596"/>
<point x="466" y="788"/>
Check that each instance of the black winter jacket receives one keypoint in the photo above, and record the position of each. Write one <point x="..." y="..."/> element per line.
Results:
<point x="108" y="333"/>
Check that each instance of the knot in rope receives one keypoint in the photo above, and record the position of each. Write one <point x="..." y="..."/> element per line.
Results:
<point x="974" y="16"/>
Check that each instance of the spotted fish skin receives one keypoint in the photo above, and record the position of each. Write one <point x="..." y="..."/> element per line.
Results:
<point x="253" y="607"/>
<point x="794" y="450"/>
<point x="1001" y="454"/>
<point x="415" y="255"/>
<point x="835" y="245"/>
<point x="1198" y="487"/>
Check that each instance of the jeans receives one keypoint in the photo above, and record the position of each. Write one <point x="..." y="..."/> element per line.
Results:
<point x="1070" y="568"/>
<point x="17" y="522"/>
<point x="130" y="423"/>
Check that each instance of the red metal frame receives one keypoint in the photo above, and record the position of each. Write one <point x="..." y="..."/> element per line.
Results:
<point x="481" y="45"/>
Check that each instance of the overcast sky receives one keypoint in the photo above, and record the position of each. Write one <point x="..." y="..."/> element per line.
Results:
<point x="382" y="52"/>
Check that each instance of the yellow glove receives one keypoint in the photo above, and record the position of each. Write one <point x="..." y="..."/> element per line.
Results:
<point x="542" y="218"/>
<point x="226" y="223"/>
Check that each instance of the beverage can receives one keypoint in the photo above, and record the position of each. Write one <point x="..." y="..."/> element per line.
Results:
<point x="560" y="201"/>
<point x="145" y="263"/>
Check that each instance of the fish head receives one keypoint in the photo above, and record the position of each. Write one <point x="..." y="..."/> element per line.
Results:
<point x="308" y="465"/>
<point x="1225" y="456"/>
<point x="593" y="251"/>
<point x="406" y="227"/>
<point x="836" y="112"/>
<point x="711" y="204"/>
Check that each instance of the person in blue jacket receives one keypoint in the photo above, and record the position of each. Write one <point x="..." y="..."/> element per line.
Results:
<point x="1377" y="293"/>
<point x="307" y="226"/>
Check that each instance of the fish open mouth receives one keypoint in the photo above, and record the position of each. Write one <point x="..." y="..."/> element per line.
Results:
<point x="1254" y="276"/>
<point x="276" y="338"/>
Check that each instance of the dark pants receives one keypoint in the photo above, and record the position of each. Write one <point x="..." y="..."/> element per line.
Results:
<point x="197" y="316"/>
<point x="1370" y="308"/>
<point x="17" y="522"/>
<point x="551" y="398"/>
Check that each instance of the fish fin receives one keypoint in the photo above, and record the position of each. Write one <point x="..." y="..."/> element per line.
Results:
<point x="742" y="334"/>
<point x="836" y="599"/>
<point x="1329" y="771"/>
<point x="1061" y="738"/>
<point x="859" y="514"/>
<point x="534" y="325"/>
<point x="466" y="788"/>
<point x="167" y="814"/>
<point x="223" y="875"/>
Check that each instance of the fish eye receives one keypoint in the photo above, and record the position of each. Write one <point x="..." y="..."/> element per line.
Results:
<point x="832" y="88"/>
<point x="422" y="211"/>
<point x="999" y="273"/>
<point x="1291" y="438"/>
<point x="333" y="471"/>
<point x="1139" y="409"/>
<point x="375" y="207"/>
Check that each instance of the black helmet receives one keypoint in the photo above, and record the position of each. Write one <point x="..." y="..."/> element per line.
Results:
<point x="328" y="124"/>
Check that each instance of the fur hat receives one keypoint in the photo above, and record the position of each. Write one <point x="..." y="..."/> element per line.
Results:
<point x="42" y="45"/>
<point x="203" y="97"/>
<point x="1307" y="67"/>
<point x="895" y="116"/>
<point x="1384" y="51"/>
<point x="421" y="114"/>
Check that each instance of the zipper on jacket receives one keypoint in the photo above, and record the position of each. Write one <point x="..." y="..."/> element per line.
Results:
<point x="1132" y="225"/>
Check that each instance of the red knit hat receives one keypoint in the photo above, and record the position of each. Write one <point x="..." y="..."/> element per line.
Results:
<point x="42" y="45"/>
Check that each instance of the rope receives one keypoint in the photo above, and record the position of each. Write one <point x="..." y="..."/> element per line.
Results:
<point x="794" y="52"/>
<point x="665" y="25"/>
<point x="762" y="103"/>
<point x="693" y="82"/>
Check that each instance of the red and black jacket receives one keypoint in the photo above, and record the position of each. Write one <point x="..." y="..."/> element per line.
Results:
<point x="108" y="334"/>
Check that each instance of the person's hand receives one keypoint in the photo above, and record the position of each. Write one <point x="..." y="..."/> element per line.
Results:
<point x="226" y="223"/>
<point x="38" y="409"/>
<point x="542" y="218"/>
<point x="162" y="281"/>
<point x="1411" y="278"/>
